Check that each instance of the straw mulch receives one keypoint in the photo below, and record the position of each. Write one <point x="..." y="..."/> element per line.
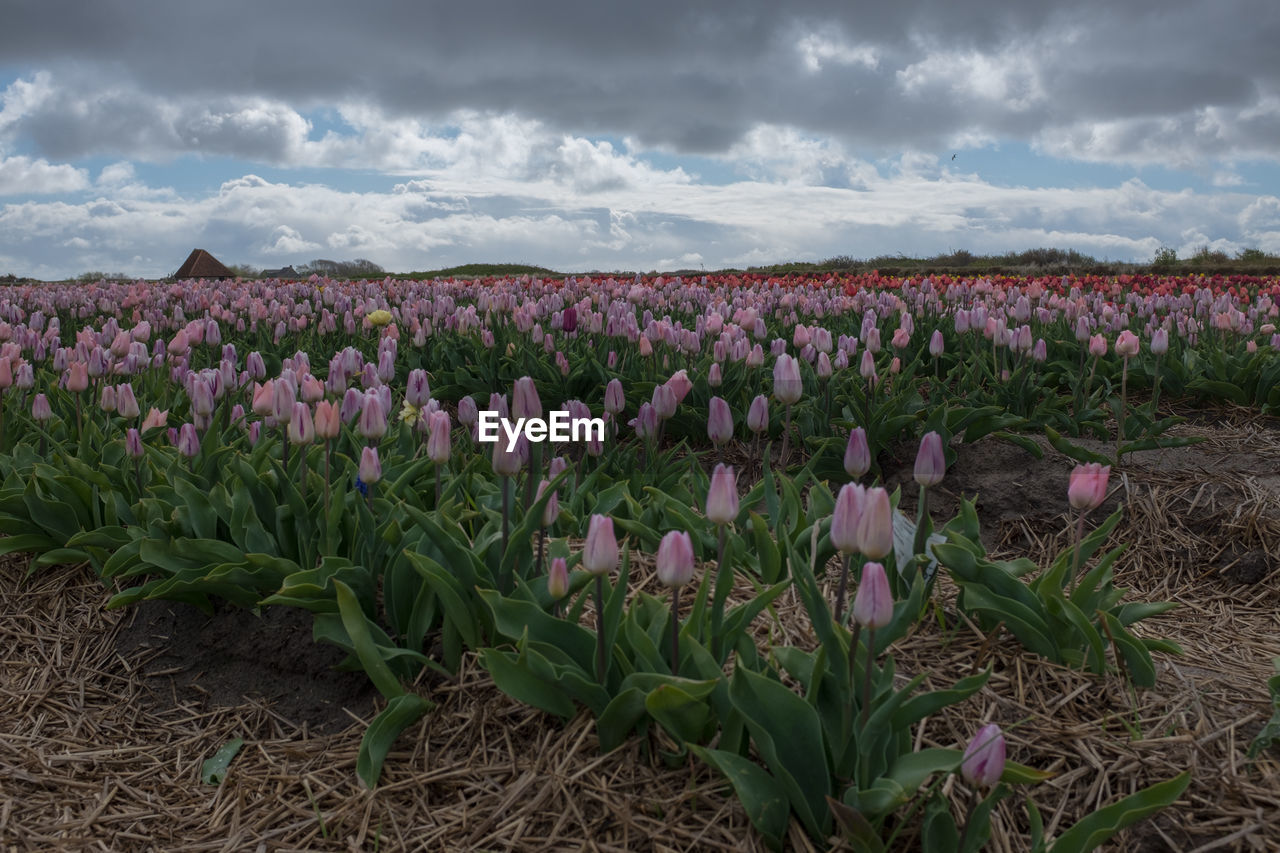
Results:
<point x="90" y="760"/>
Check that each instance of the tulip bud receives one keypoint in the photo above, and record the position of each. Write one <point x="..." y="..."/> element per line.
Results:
<point x="936" y="343"/>
<point x="327" y="421"/>
<point x="370" y="465"/>
<point x="506" y="463"/>
<point x="674" y="559"/>
<point x="984" y="757"/>
<point x="1127" y="344"/>
<point x="108" y="400"/>
<point x="558" y="578"/>
<point x="78" y="380"/>
<point x="1160" y="341"/>
<point x="758" y="414"/>
<point x="680" y="385"/>
<point x="719" y="421"/>
<point x="714" y="375"/>
<point x="438" y="442"/>
<point x="875" y="527"/>
<point x="524" y="399"/>
<point x="552" y="509"/>
<point x="133" y="443"/>
<point x="787" y="385"/>
<point x="613" y="397"/>
<point x="1097" y="346"/>
<point x="931" y="463"/>
<point x="600" y="554"/>
<point x="40" y="408"/>
<point x="188" y="441"/>
<point x="722" y="496"/>
<point x="857" y="454"/>
<point x="1087" y="487"/>
<point x="301" y="427"/>
<point x="873" y="605"/>
<point x="126" y="402"/>
<point x="373" y="419"/>
<point x="846" y="518"/>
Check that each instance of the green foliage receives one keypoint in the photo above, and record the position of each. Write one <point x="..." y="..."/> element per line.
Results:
<point x="1072" y="626"/>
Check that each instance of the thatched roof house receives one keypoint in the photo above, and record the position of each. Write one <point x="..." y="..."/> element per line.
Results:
<point x="201" y="264"/>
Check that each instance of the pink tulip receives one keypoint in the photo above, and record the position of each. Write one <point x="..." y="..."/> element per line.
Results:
<point x="327" y="422"/>
<point x="787" y="385"/>
<point x="758" y="414"/>
<point x="188" y="441"/>
<point x="302" y="428"/>
<point x="846" y="518"/>
<point x="1097" y="346"/>
<point x="438" y="440"/>
<point x="664" y="402"/>
<point x="931" y="462"/>
<point x="614" y="402"/>
<point x="126" y="402"/>
<point x="984" y="757"/>
<point x="506" y="463"/>
<point x="719" y="421"/>
<point x="680" y="385"/>
<point x="936" y="343"/>
<point x="524" y="399"/>
<point x="873" y="605"/>
<point x="600" y="554"/>
<point x="1087" y="487"/>
<point x="857" y="454"/>
<point x="722" y="496"/>
<point x="107" y="402"/>
<point x="78" y="380"/>
<point x="370" y="465"/>
<point x="1160" y="341"/>
<point x="155" y="418"/>
<point x="875" y="526"/>
<point x="40" y="408"/>
<point x="674" y="560"/>
<point x="373" y="419"/>
<point x="133" y="443"/>
<point x="558" y="578"/>
<point x="552" y="509"/>
<point x="1127" y="344"/>
<point x="264" y="398"/>
<point x="468" y="412"/>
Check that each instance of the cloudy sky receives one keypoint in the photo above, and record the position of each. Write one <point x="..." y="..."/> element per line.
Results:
<point x="598" y="135"/>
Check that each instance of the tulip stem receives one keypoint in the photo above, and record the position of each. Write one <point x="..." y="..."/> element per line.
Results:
<point x="506" y="515"/>
<point x="284" y="447"/>
<point x="675" y="630"/>
<point x="1075" y="565"/>
<point x="600" y="628"/>
<point x="326" y="482"/>
<point x="437" y="486"/>
<point x="724" y="581"/>
<point x="923" y="523"/>
<point x="1124" y="389"/>
<point x="786" y="439"/>
<point x="542" y="538"/>
<point x="866" y="675"/>
<point x="1155" y="393"/>
<point x="843" y="587"/>
<point x="302" y="473"/>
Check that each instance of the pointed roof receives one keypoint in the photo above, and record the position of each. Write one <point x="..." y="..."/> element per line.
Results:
<point x="201" y="264"/>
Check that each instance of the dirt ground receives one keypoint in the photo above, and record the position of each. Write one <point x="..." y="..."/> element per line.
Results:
<point x="106" y="717"/>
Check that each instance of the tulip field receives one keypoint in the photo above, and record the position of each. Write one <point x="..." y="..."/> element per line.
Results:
<point x="724" y="562"/>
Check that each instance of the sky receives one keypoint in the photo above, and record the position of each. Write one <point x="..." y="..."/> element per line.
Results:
<point x="591" y="135"/>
